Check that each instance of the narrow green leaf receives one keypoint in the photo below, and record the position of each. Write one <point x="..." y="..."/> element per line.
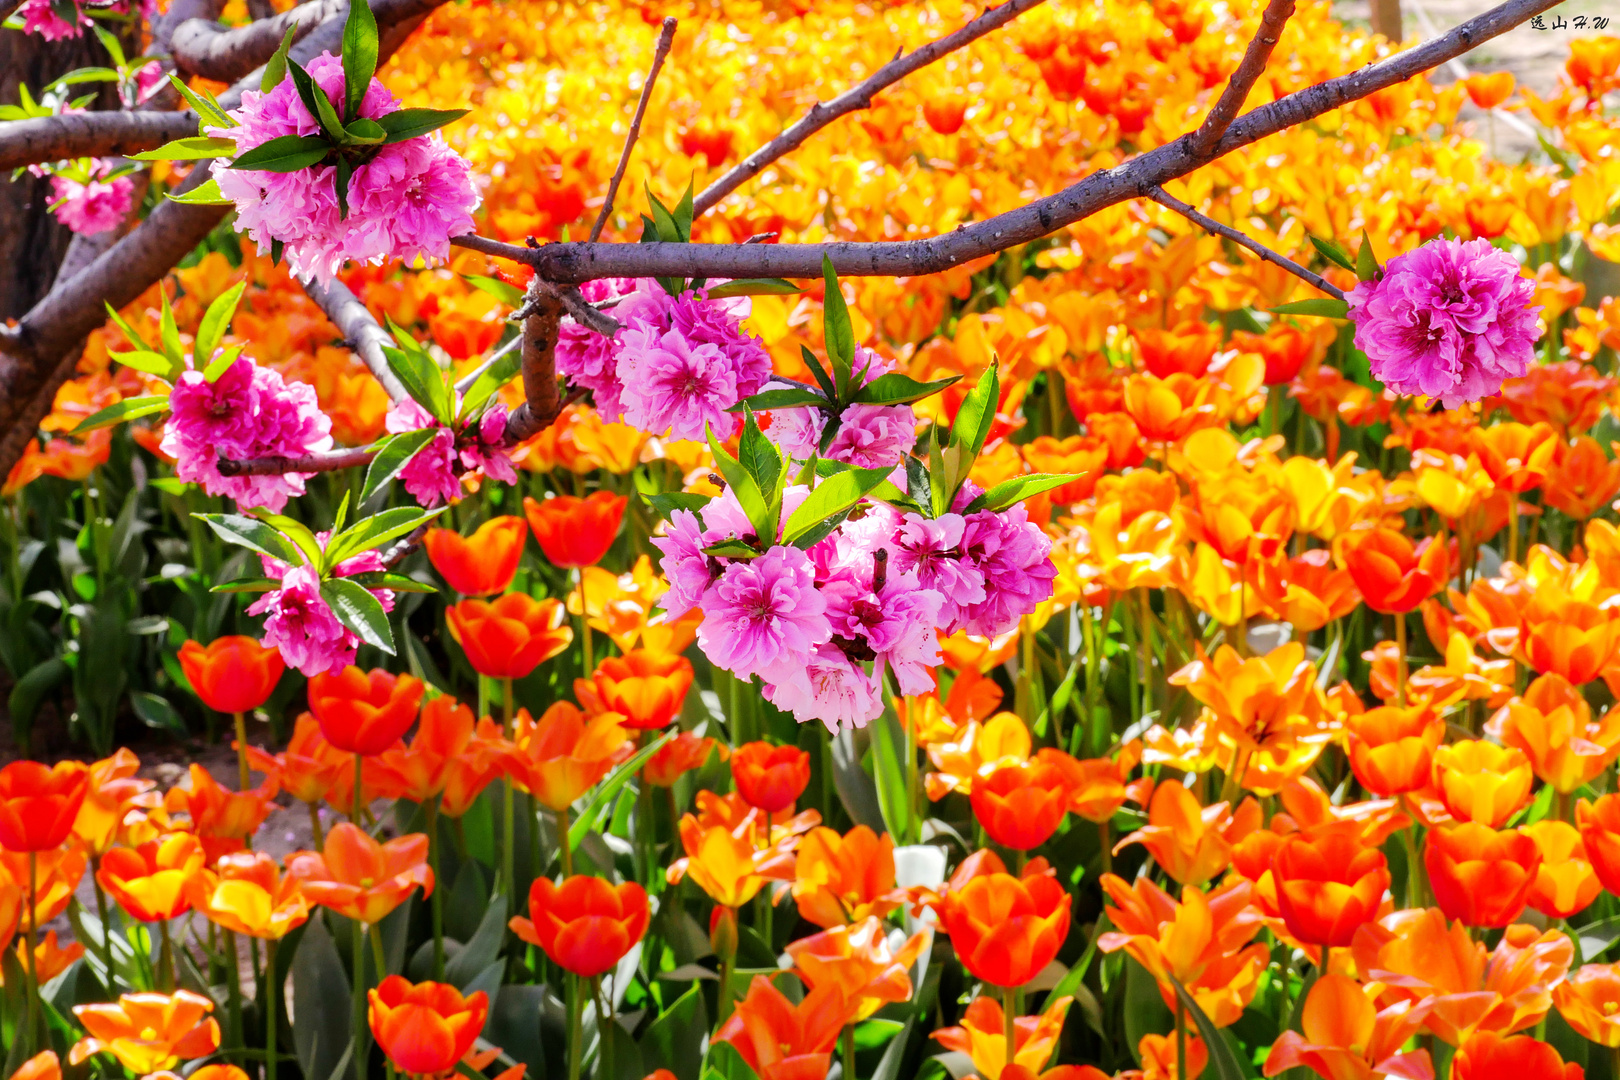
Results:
<point x="1366" y="261"/>
<point x="749" y="496"/>
<point x="381" y="579"/>
<point x="839" y="332"/>
<point x="394" y="453"/>
<point x="414" y="123"/>
<point x="208" y="112"/>
<point x="609" y="788"/>
<point x="978" y="413"/>
<point x="834" y="494"/>
<point x="293" y="530"/>
<point x="378" y="529"/>
<point x="1326" y="307"/>
<point x="773" y="286"/>
<point x="506" y="293"/>
<point x="220" y="364"/>
<point x="787" y="398"/>
<point x="889" y="772"/>
<point x="897" y="389"/>
<point x="275" y="69"/>
<point x="732" y="549"/>
<point x="248" y="585"/>
<point x="192" y="149"/>
<point x="759" y="457"/>
<point x="664" y="222"/>
<point x="489" y="381"/>
<point x="206" y="193"/>
<point x="1220" y="1051"/>
<point x="216" y="320"/>
<point x="667" y="502"/>
<point x="340" y="181"/>
<point x="359" y="56"/>
<point x="357" y="609"/>
<point x="315" y="100"/>
<point x="128" y="409"/>
<point x="284" y="154"/>
<point x="823" y="380"/>
<point x="683" y="214"/>
<point x="254" y="535"/>
<point x="150" y="362"/>
<point x="364" y="132"/>
<point x="1018" y="489"/>
<point x="169" y="332"/>
<point x="1332" y="252"/>
<point x="130" y="335"/>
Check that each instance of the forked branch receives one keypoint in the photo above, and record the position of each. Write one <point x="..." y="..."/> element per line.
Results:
<point x="1253" y="65"/>
<point x="1209" y="224"/>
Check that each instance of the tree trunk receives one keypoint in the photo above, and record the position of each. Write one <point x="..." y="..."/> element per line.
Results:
<point x="1386" y="19"/>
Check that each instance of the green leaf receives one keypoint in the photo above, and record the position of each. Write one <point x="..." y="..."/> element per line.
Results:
<point x="29" y="694"/>
<point x="1560" y="158"/>
<point x="732" y="549"/>
<point x="293" y="530"/>
<point x="939" y="498"/>
<point x="111" y="44"/>
<point x="791" y="397"/>
<point x="382" y="579"/>
<point x="482" y="948"/>
<point x="759" y="458"/>
<point x="683" y="214"/>
<point x="128" y="409"/>
<point x="364" y="132"/>
<point x="771" y="286"/>
<point x="78" y="76"/>
<point x="320" y="1000"/>
<point x="749" y="497"/>
<point x="889" y="771"/>
<point x="489" y="381"/>
<point x="216" y="320"/>
<point x="663" y="221"/>
<point x="834" y="494"/>
<point x="1326" y="307"/>
<point x="506" y="293"/>
<point x="284" y="154"/>
<point x="1366" y="261"/>
<point x="254" y="535"/>
<point x="248" y="585"/>
<point x="206" y="193"/>
<point x="194" y="148"/>
<point x="1018" y="489"/>
<point x="609" y="788"/>
<point x="221" y="363"/>
<point x="150" y="362"/>
<point x="156" y="713"/>
<point x="978" y="413"/>
<point x="414" y="123"/>
<point x="1332" y="252"/>
<point x="376" y="530"/>
<point x="897" y="389"/>
<point x="839" y="332"/>
<point x="130" y="335"/>
<point x="208" y="111"/>
<point x="275" y="69"/>
<point x="357" y="609"/>
<point x="341" y="173"/>
<point x="169" y="332"/>
<point x="421" y="374"/>
<point x="667" y="502"/>
<point x="1220" y="1051"/>
<point x="315" y="100"/>
<point x="674" y="1041"/>
<point x="359" y="56"/>
<point x="393" y="454"/>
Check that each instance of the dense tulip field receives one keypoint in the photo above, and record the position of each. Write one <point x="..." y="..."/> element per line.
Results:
<point x="1154" y="646"/>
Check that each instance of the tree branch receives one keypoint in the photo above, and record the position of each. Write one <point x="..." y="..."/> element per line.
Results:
<point x="325" y="461"/>
<point x="94" y="134"/>
<point x="579" y="262"/>
<point x="1272" y="21"/>
<point x="224" y="53"/>
<point x="860" y="97"/>
<point x="666" y="38"/>
<point x="544" y="399"/>
<point x="355" y="322"/>
<point x="1209" y="224"/>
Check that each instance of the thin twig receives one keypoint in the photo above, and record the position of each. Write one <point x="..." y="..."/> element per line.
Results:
<point x="1272" y="21"/>
<point x="360" y="329"/>
<point x="666" y="37"/>
<point x="1163" y="198"/>
<point x="583" y="313"/>
<point x="823" y="113"/>
<point x="325" y="461"/>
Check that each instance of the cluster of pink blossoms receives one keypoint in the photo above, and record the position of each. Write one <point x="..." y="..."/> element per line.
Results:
<point x="248" y="412"/>
<point x="93" y="205"/>
<point x="880" y="589"/>
<point x="433" y="475"/>
<point x="301" y="624"/>
<point x="1449" y="320"/>
<point x="868" y="436"/>
<point x="40" y="17"/>
<point x="406" y="202"/>
<point x="675" y="364"/>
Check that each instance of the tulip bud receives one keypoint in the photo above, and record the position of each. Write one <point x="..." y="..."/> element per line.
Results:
<point x="723" y="932"/>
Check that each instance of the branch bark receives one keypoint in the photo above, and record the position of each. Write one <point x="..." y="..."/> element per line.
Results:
<point x="666" y="38"/>
<point x="354" y="320"/>
<point x="206" y="48"/>
<point x="1253" y="65"/>
<point x="579" y="262"/>
<point x="307" y="463"/>
<point x="860" y="97"/>
<point x="1209" y="224"/>
<point x="95" y="134"/>
<point x="543" y="402"/>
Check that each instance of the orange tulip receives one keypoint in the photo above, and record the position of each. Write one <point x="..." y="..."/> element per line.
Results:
<point x="44" y="1065"/>
<point x="1347" y="1037"/>
<point x="148" y="1032"/>
<point x="309" y="767"/>
<point x="1006" y="929"/>
<point x="982" y="1037"/>
<point x="1191" y="843"/>
<point x="1599" y="824"/>
<point x="1395" y="576"/>
<point x="1489" y="91"/>
<point x="1417" y="957"/>
<point x="231" y="674"/>
<point x="445" y="758"/>
<point x="1308" y="591"/>
<point x="50" y="957"/>
<point x="783" y="1041"/>
<point x="1098" y="786"/>
<point x="770" y="778"/>
<point x="425" y="1028"/>
<point x="249" y="894"/>
<point x="845" y="879"/>
<point x="150" y="881"/>
<point x="562" y="755"/>
<point x="858" y="960"/>
<point x="1582" y="480"/>
<point x="364" y="712"/>
<point x="977" y="749"/>
<point x="576" y="532"/>
<point x="113" y="789"/>
<point x="1020" y="806"/>
<point x="646" y="688"/>
<point x="1589" y="1001"/>
<point x="222" y="819"/>
<point x="1159" y="1056"/>
<point x="1565" y="884"/>
<point x="359" y="878"/>
<point x="510" y="637"/>
<point x="728" y="863"/>
<point x="1392" y="749"/>
<point x="39" y="803"/>
<point x="1482" y="782"/>
<point x="1552" y="725"/>
<point x="1328" y="885"/>
<point x="587" y="924"/>
<point x="481" y="564"/>
<point x="1480" y="876"/>
<point x="1202" y="942"/>
<point x="680" y="756"/>
<point x="1515" y="456"/>
<point x="1488" y="1056"/>
<point x="56" y="873"/>
<point x="1577" y="640"/>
